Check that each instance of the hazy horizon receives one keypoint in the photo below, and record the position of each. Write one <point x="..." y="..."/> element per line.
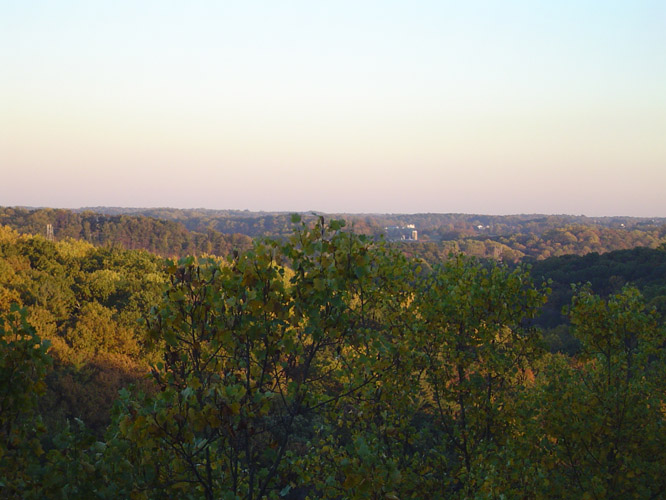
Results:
<point x="491" y="108"/>
<point x="131" y="209"/>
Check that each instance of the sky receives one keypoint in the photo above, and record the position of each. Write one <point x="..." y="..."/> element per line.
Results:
<point x="335" y="106"/>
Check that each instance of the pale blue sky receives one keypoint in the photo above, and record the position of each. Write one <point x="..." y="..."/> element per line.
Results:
<point x="340" y="106"/>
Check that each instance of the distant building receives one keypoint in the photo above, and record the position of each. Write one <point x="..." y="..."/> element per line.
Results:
<point x="402" y="233"/>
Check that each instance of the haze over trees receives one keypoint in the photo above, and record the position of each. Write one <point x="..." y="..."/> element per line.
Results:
<point x="178" y="232"/>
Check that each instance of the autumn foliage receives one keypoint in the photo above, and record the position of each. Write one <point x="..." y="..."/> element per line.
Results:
<point x="323" y="365"/>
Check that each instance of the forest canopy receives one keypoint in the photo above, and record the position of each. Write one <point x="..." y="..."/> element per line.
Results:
<point x="326" y="364"/>
<point x="178" y="232"/>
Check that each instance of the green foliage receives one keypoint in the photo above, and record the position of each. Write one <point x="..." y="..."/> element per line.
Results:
<point x="473" y="357"/>
<point x="323" y="365"/>
<point x="607" y="273"/>
<point x="23" y="366"/>
<point x="250" y="353"/>
<point x="595" y="426"/>
<point x="338" y="374"/>
<point x="86" y="302"/>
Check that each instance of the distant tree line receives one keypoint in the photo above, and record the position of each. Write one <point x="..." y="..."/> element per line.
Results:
<point x="176" y="232"/>
<point x="431" y="227"/>
<point x="163" y="237"/>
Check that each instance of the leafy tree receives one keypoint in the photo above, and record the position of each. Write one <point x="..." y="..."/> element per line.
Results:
<point x="600" y="420"/>
<point x="252" y="352"/>
<point x="96" y="331"/>
<point x="475" y="350"/>
<point x="23" y="365"/>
